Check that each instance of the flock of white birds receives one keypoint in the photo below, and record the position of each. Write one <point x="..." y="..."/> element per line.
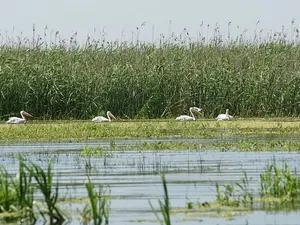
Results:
<point x="193" y="110"/>
<point x="110" y="116"/>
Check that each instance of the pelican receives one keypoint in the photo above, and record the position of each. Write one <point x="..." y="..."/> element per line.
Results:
<point x="17" y="120"/>
<point x="186" y="117"/>
<point x="225" y="116"/>
<point x="99" y="119"/>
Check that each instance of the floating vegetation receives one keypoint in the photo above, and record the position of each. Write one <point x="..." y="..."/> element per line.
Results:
<point x="255" y="145"/>
<point x="245" y="145"/>
<point x="98" y="151"/>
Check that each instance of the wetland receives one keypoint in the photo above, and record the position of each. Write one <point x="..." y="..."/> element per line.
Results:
<point x="215" y="172"/>
<point x="145" y="167"/>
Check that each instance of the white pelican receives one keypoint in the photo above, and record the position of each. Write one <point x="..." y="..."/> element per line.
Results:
<point x="225" y="116"/>
<point x="99" y="119"/>
<point x="186" y="117"/>
<point x="17" y="120"/>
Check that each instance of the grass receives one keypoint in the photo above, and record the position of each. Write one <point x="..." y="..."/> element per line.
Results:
<point x="60" y="79"/>
<point x="150" y="129"/>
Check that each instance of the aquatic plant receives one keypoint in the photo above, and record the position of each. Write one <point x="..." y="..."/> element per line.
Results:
<point x="8" y="198"/>
<point x="16" y="196"/>
<point x="97" y="210"/>
<point x="280" y="183"/>
<point x="163" y="206"/>
<point x="236" y="193"/>
<point x="25" y="193"/>
<point x="44" y="181"/>
<point x="277" y="185"/>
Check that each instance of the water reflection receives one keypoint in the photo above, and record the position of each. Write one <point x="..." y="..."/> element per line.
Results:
<point x="134" y="178"/>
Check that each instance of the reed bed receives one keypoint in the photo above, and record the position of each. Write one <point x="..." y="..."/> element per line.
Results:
<point x="62" y="79"/>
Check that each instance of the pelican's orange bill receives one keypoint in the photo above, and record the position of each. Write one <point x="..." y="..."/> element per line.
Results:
<point x="26" y="114"/>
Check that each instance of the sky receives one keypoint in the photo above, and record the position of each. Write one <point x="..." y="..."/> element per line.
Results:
<point x="119" y="19"/>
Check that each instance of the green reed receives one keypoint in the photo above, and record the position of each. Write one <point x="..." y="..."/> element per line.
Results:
<point x="164" y="207"/>
<point x="277" y="185"/>
<point x="7" y="193"/>
<point x="44" y="181"/>
<point x="280" y="183"/>
<point x="236" y="194"/>
<point x="149" y="80"/>
<point x="97" y="210"/>
<point x="17" y="201"/>
<point x="24" y="193"/>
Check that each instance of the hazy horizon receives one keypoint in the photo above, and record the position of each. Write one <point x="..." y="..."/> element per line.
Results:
<point x="119" y="20"/>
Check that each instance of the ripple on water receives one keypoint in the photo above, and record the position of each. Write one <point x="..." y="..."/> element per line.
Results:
<point x="134" y="177"/>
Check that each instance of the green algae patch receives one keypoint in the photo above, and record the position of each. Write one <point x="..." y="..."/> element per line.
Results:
<point x="212" y="210"/>
<point x="238" y="145"/>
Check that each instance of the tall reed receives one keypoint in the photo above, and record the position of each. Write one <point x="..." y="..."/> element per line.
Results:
<point x="258" y="77"/>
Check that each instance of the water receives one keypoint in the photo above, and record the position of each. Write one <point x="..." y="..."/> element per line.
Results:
<point x="134" y="178"/>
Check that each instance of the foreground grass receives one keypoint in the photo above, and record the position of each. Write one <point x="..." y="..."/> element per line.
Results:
<point x="36" y="131"/>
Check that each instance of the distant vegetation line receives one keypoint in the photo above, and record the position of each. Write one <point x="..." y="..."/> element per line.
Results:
<point x="150" y="81"/>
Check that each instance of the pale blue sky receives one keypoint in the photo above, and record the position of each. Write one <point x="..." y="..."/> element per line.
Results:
<point x="68" y="16"/>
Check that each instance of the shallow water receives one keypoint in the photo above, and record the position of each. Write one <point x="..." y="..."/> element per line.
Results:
<point x="134" y="178"/>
